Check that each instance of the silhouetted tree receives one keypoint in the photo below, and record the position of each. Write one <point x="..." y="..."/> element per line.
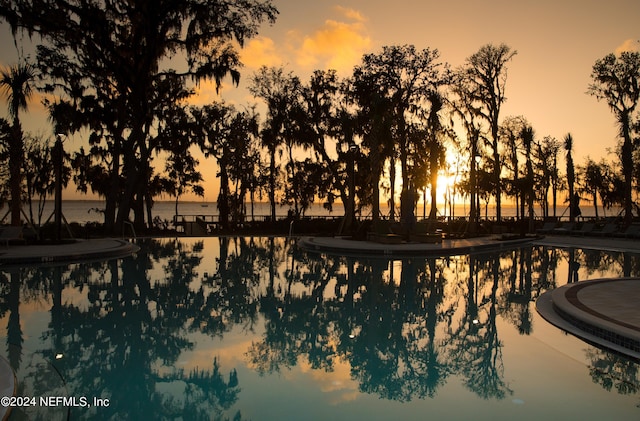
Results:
<point x="435" y="147"/>
<point x="546" y="170"/>
<point x="226" y="134"/>
<point x="5" y="140"/>
<point x="571" y="176"/>
<point x="486" y="72"/>
<point x="376" y="122"/>
<point x="510" y="133"/>
<point x="529" y="192"/>
<point x="616" y="79"/>
<point x="330" y="121"/>
<point x="39" y="175"/>
<point x="282" y="94"/>
<point x="107" y="60"/>
<point x="16" y="85"/>
<point x="462" y="103"/>
<point x="592" y="178"/>
<point x="404" y="77"/>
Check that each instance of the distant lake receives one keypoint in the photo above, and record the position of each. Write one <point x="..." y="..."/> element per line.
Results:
<point x="83" y="211"/>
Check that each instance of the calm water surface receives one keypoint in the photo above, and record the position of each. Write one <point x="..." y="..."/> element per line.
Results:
<point x="255" y="328"/>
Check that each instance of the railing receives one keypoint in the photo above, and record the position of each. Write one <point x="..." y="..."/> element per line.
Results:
<point x="130" y="225"/>
<point x="210" y="222"/>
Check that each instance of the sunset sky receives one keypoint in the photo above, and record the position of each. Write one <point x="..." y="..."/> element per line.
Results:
<point x="557" y="41"/>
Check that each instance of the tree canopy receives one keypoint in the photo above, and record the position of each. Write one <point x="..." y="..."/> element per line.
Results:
<point x="107" y="63"/>
<point x="616" y="79"/>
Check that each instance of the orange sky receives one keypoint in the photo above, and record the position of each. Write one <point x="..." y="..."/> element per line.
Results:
<point x="557" y="43"/>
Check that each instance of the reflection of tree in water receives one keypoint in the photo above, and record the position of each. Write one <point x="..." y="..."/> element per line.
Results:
<point x="10" y="286"/>
<point x="525" y="274"/>
<point x="517" y="295"/>
<point x="403" y="326"/>
<point x="123" y="340"/>
<point x="593" y="261"/>
<point x="474" y="346"/>
<point x="600" y="263"/>
<point x="431" y="369"/>
<point x="204" y="395"/>
<point x="297" y="318"/>
<point x="613" y="371"/>
<point x="231" y="295"/>
<point x="380" y="328"/>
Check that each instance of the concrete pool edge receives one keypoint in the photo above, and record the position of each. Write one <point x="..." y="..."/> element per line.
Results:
<point x="77" y="251"/>
<point x="448" y="247"/>
<point x="601" y="325"/>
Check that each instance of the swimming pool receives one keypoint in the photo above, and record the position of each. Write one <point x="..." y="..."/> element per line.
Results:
<point x="256" y="328"/>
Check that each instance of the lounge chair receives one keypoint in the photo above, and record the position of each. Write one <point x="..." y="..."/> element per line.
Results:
<point x="565" y="228"/>
<point x="547" y="227"/>
<point x="11" y="235"/>
<point x="608" y="230"/>
<point x="586" y="229"/>
<point x="632" y="231"/>
<point x="384" y="233"/>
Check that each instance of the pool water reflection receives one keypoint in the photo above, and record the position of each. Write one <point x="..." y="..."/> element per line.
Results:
<point x="256" y="328"/>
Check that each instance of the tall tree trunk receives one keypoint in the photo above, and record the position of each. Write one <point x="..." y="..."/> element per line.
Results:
<point x="112" y="197"/>
<point x="473" y="179"/>
<point x="375" y="181"/>
<point x="392" y="181"/>
<point x="128" y="196"/>
<point x="223" y="197"/>
<point x="627" y="167"/>
<point x="272" y="182"/>
<point x="16" y="153"/>
<point x="496" y="180"/>
<point x="433" y="173"/>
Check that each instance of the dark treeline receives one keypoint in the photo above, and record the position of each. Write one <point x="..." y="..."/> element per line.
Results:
<point x="105" y="68"/>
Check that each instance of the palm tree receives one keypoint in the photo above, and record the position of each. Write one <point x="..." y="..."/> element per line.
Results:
<point x="571" y="176"/>
<point x="593" y="178"/>
<point x="510" y="133"/>
<point x="16" y="86"/>
<point x="436" y="151"/>
<point x="528" y="139"/>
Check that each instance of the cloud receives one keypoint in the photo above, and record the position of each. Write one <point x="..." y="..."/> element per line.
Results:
<point x="205" y="93"/>
<point x="628" y="45"/>
<point x="337" y="385"/>
<point x="350" y="13"/>
<point x="336" y="45"/>
<point x="260" y="51"/>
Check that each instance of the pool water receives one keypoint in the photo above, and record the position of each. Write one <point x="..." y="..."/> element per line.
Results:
<point x="257" y="328"/>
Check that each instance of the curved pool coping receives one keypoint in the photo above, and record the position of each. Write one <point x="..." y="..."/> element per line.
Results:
<point x="448" y="247"/>
<point x="77" y="251"/>
<point x="603" y="312"/>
